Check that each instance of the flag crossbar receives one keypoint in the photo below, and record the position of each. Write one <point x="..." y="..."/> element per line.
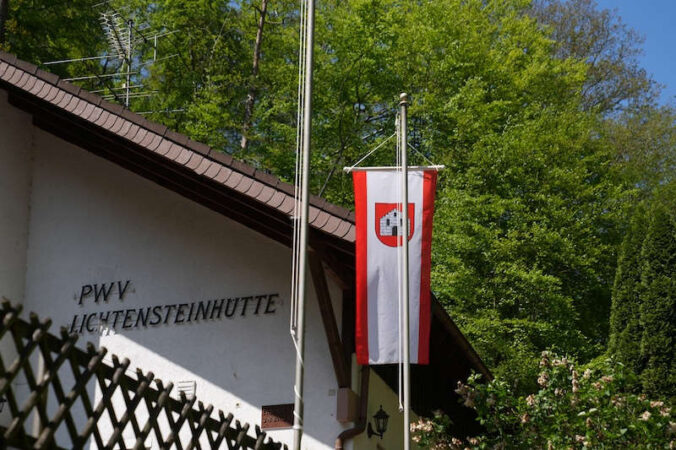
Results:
<point x="380" y="169"/>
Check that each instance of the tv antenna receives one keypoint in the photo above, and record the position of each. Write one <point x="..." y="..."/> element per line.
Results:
<point x="127" y="45"/>
<point x="120" y="40"/>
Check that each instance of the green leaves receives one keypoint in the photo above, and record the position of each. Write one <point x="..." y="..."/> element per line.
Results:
<point x="41" y="31"/>
<point x="658" y="304"/>
<point x="643" y="320"/>
<point x="625" y="314"/>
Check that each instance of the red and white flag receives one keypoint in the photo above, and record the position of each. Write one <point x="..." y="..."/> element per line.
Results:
<point x="379" y="236"/>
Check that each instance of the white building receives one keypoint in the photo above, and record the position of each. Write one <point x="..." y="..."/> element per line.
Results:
<point x="177" y="257"/>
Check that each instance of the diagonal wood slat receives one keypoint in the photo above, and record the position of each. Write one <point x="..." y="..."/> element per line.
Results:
<point x="71" y="374"/>
<point x="34" y="402"/>
<point x="153" y="413"/>
<point x="174" y="437"/>
<point x="45" y="437"/>
<point x="55" y="382"/>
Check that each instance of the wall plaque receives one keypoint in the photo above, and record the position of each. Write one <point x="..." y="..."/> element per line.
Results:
<point x="277" y="416"/>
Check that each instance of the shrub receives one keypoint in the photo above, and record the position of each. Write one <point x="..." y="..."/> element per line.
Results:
<point x="591" y="409"/>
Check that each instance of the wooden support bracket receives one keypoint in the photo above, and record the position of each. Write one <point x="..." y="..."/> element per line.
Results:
<point x="340" y="363"/>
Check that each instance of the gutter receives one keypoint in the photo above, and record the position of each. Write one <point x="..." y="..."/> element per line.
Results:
<point x="360" y="424"/>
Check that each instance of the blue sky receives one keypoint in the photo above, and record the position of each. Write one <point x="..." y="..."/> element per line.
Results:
<point x="654" y="19"/>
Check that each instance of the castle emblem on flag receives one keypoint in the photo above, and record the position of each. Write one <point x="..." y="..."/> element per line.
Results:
<point x="389" y="223"/>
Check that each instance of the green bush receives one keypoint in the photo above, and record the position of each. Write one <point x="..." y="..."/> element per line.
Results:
<point x="643" y="315"/>
<point x="658" y="304"/>
<point x="571" y="410"/>
<point x="625" y="326"/>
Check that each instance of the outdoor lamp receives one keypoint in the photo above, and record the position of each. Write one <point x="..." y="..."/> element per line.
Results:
<point x="380" y="419"/>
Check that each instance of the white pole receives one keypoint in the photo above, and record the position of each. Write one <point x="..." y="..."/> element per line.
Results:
<point x="307" y="128"/>
<point x="407" y="343"/>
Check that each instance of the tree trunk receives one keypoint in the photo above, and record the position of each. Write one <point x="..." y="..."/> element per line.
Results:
<point x="251" y="95"/>
<point x="4" y="15"/>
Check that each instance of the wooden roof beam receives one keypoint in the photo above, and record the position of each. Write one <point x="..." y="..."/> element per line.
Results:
<point x="340" y="364"/>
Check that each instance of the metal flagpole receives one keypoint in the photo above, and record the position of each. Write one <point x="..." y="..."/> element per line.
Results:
<point x="403" y="104"/>
<point x="307" y="126"/>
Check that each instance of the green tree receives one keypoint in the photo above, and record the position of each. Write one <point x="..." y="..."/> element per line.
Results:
<point x="529" y="206"/>
<point x="625" y="326"/>
<point x="527" y="216"/>
<point x="642" y="132"/>
<point x="251" y="94"/>
<point x="199" y="76"/>
<point x="615" y="78"/>
<point x="4" y="12"/>
<point x="40" y="31"/>
<point x="658" y="304"/>
<point x="644" y="140"/>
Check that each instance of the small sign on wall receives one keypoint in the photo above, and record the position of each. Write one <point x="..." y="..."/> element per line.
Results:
<point x="274" y="417"/>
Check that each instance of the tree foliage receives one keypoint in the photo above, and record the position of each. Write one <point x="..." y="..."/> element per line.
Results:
<point x="658" y="304"/>
<point x="643" y="319"/>
<point x="644" y="142"/>
<point x="625" y="323"/>
<point x="615" y="79"/>
<point x="40" y="31"/>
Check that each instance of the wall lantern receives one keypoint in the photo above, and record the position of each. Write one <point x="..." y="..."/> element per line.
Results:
<point x="380" y="419"/>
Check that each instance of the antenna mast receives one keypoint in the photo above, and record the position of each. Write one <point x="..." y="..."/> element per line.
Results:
<point x="127" y="84"/>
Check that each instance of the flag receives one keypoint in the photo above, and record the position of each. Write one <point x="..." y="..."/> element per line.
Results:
<point x="379" y="231"/>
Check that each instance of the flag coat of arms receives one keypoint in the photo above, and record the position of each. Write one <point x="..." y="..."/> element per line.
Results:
<point x="380" y="230"/>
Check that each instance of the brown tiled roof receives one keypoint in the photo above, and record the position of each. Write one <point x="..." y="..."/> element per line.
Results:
<point x="175" y="147"/>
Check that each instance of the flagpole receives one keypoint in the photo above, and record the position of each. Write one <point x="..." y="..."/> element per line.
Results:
<point x="307" y="128"/>
<point x="403" y="104"/>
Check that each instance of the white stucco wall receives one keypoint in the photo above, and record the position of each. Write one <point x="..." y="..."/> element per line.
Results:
<point x="16" y="154"/>
<point x="16" y="134"/>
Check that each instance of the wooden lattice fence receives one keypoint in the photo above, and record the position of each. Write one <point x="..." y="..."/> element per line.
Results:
<point x="59" y="380"/>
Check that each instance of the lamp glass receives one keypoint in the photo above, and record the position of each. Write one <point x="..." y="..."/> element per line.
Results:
<point x="381" y="418"/>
